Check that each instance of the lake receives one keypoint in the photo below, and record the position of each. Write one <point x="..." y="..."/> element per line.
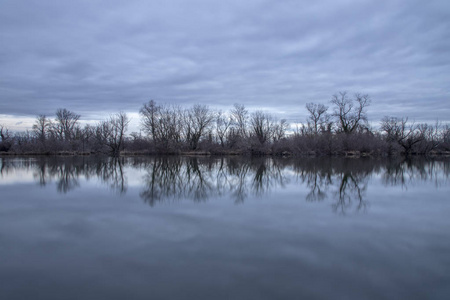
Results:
<point x="224" y="228"/>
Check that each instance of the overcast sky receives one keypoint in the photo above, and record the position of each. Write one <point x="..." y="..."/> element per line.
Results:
<point x="102" y="57"/>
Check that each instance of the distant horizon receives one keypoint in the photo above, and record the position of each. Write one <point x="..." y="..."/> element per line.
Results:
<point x="24" y="123"/>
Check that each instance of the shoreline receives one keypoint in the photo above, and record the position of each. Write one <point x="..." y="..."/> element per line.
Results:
<point x="349" y="154"/>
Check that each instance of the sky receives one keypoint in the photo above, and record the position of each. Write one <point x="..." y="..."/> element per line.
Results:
<point x="101" y="57"/>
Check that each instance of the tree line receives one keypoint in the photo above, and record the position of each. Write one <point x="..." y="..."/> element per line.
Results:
<point x="339" y="129"/>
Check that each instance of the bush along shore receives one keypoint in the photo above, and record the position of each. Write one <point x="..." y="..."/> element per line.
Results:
<point x="341" y="129"/>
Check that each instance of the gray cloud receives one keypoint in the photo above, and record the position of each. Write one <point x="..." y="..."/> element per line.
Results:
<point x="97" y="57"/>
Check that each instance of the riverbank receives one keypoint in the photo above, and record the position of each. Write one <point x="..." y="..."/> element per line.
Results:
<point x="355" y="154"/>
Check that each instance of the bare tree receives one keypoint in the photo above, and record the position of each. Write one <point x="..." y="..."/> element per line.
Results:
<point x="150" y="115"/>
<point x="446" y="137"/>
<point x="240" y="119"/>
<point x="350" y="113"/>
<point x="392" y="127"/>
<point x="397" y="130"/>
<point x="65" y="124"/>
<point x="223" y="124"/>
<point x="88" y="133"/>
<point x="318" y="119"/>
<point x="262" y="126"/>
<point x="41" y="127"/>
<point x="163" y="124"/>
<point x="4" y="133"/>
<point x="5" y="142"/>
<point x="432" y="137"/>
<point x="279" y="129"/>
<point x="199" y="118"/>
<point x="111" y="133"/>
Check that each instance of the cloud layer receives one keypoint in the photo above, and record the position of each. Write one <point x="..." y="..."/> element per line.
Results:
<point x="100" y="57"/>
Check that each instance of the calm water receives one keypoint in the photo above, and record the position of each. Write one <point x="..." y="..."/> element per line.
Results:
<point x="224" y="228"/>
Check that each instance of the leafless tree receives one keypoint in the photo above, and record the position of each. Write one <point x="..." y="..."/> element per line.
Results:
<point x="170" y="127"/>
<point x="65" y="124"/>
<point x="198" y="119"/>
<point x="163" y="124"/>
<point x="446" y="137"/>
<point x="4" y="133"/>
<point x="88" y="133"/>
<point x="262" y="126"/>
<point x="279" y="129"/>
<point x="5" y="142"/>
<point x="240" y="119"/>
<point x="350" y="113"/>
<point x="111" y="133"/>
<point x="393" y="127"/>
<point x="150" y="116"/>
<point x="432" y="137"/>
<point x="398" y="130"/>
<point x="223" y="124"/>
<point x="318" y="119"/>
<point x="41" y="127"/>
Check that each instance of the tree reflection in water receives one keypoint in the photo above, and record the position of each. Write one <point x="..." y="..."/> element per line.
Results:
<point x="110" y="171"/>
<point x="408" y="171"/>
<point x="171" y="178"/>
<point x="66" y="171"/>
<point x="352" y="187"/>
<point x="345" y="180"/>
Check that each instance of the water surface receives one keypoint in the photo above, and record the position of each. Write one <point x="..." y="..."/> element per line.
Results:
<point x="224" y="228"/>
